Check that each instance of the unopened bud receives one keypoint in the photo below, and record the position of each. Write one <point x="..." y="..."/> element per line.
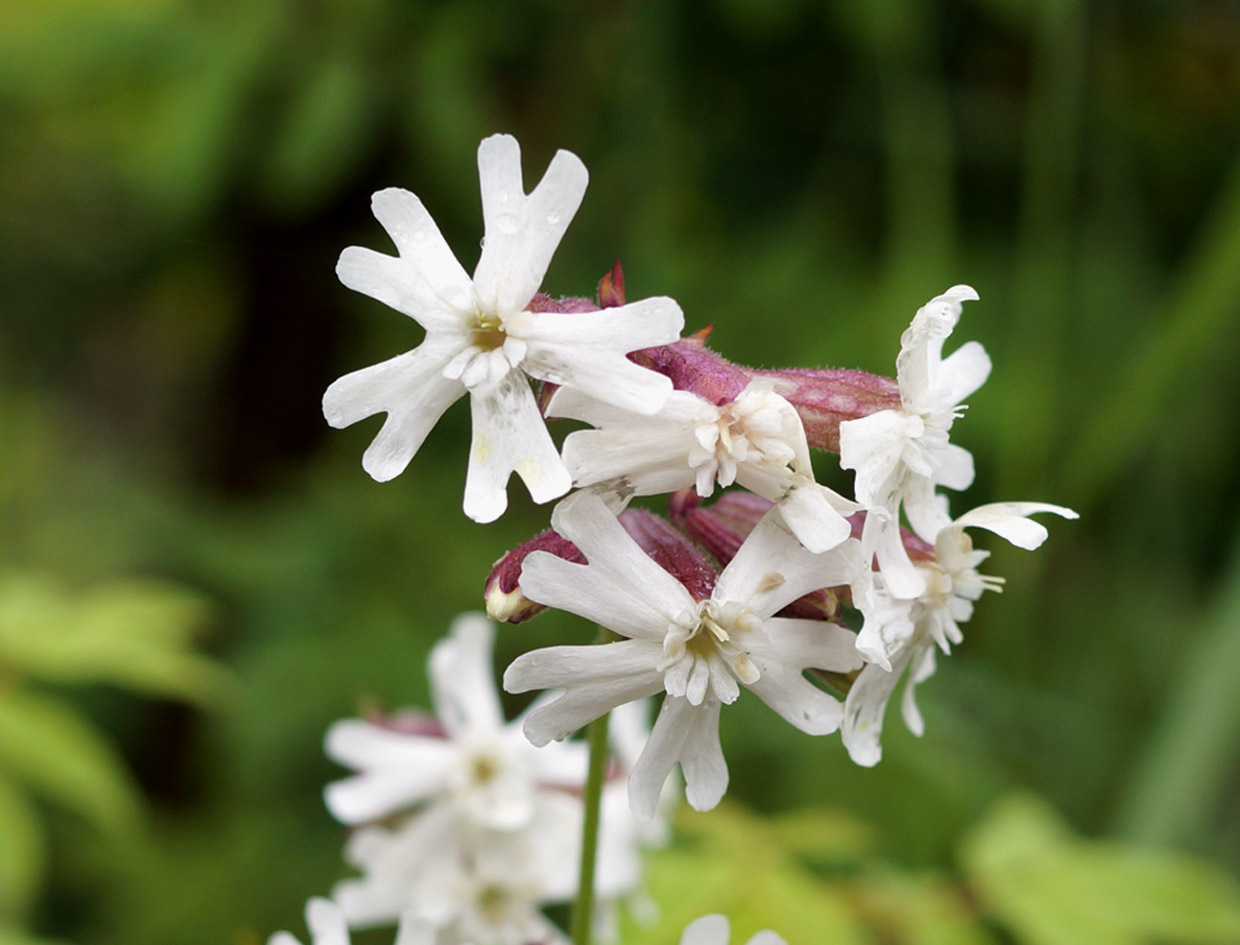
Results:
<point x="502" y="593"/>
<point x="611" y="288"/>
<point x="826" y="398"/>
<point x="671" y="551"/>
<point x="693" y="367"/>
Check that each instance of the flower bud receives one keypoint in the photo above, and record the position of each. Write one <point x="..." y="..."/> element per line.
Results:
<point x="502" y="593"/>
<point x="671" y="551"/>
<point x="724" y="525"/>
<point x="695" y="368"/>
<point x="826" y="398"/>
<point x="611" y="288"/>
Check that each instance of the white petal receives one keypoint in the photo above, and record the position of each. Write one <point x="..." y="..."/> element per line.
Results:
<point x="804" y="644"/>
<point x="648" y="458"/>
<point x="621" y="587"/>
<point x="708" y="930"/>
<point x="463" y="679"/>
<point x="883" y="535"/>
<point x="326" y="922"/>
<point x="864" y="708"/>
<point x="401" y="284"/>
<point x="963" y="372"/>
<point x="624" y="328"/>
<point x="687" y="734"/>
<point x="395" y="770"/>
<point x="771" y="569"/>
<point x="602" y="374"/>
<point x="596" y="679"/>
<point x="872" y="446"/>
<point x="414" y="930"/>
<point x="574" y="405"/>
<point x="601" y="595"/>
<point x="766" y="937"/>
<point x="954" y="467"/>
<point x="810" y="513"/>
<point x="795" y="645"/>
<point x="410" y="389"/>
<point x="927" y="510"/>
<point x="522" y="233"/>
<point x="1010" y="520"/>
<point x="422" y="247"/>
<point x="923" y="668"/>
<point x="887" y="629"/>
<point x="283" y="938"/>
<point x="509" y="436"/>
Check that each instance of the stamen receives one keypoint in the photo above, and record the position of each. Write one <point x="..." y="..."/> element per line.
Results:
<point x="487" y="332"/>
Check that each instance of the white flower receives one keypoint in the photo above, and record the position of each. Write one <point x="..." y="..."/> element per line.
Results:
<point x="756" y="440"/>
<point x="901" y="634"/>
<point x="328" y="927"/>
<point x="698" y="652"/>
<point x="481" y="884"/>
<point x="715" y="930"/>
<point x="482" y="765"/>
<point x="481" y="338"/>
<point x="902" y="456"/>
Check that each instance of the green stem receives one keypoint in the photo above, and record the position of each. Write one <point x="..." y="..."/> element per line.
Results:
<point x="596" y="774"/>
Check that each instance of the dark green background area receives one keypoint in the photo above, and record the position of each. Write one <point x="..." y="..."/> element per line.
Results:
<point x="178" y="178"/>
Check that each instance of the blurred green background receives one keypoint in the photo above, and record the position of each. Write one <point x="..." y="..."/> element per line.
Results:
<point x="176" y="181"/>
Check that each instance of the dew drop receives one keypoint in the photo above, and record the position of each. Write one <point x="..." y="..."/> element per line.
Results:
<point x="508" y="224"/>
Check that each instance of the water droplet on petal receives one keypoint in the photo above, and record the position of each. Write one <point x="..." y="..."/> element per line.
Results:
<point x="508" y="224"/>
<point x="553" y="219"/>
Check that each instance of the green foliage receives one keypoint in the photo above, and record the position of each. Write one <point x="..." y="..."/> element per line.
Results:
<point x="128" y="634"/>
<point x="1052" y="888"/>
<point x="137" y="635"/>
<point x="816" y="870"/>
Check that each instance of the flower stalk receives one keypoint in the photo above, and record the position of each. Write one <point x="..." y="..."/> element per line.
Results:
<point x="596" y="774"/>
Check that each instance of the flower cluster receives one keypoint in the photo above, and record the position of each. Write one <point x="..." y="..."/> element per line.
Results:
<point x="462" y="825"/>
<point x="468" y="824"/>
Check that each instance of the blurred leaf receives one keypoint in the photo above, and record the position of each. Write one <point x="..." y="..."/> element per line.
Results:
<point x="733" y="862"/>
<point x="1051" y="888"/>
<point x="325" y="131"/>
<point x="134" y="634"/>
<point x="57" y="754"/>
<point x="823" y="834"/>
<point x="1188" y="344"/>
<point x="12" y="936"/>
<point x="1184" y="772"/>
<point x="919" y="910"/>
<point x="21" y="851"/>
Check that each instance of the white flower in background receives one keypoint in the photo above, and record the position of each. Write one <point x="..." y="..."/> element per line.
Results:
<point x="463" y="878"/>
<point x="902" y="456"/>
<point x="901" y="634"/>
<point x="756" y="441"/>
<point x="481" y="338"/>
<point x="715" y="930"/>
<point x="328" y="927"/>
<point x="699" y="652"/>
<point x="492" y="830"/>
<point x="481" y="765"/>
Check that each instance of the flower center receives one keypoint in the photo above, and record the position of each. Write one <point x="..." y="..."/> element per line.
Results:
<point x="487" y="332"/>
<point x="493" y="903"/>
<point x="757" y="428"/>
<point x="485" y="769"/>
